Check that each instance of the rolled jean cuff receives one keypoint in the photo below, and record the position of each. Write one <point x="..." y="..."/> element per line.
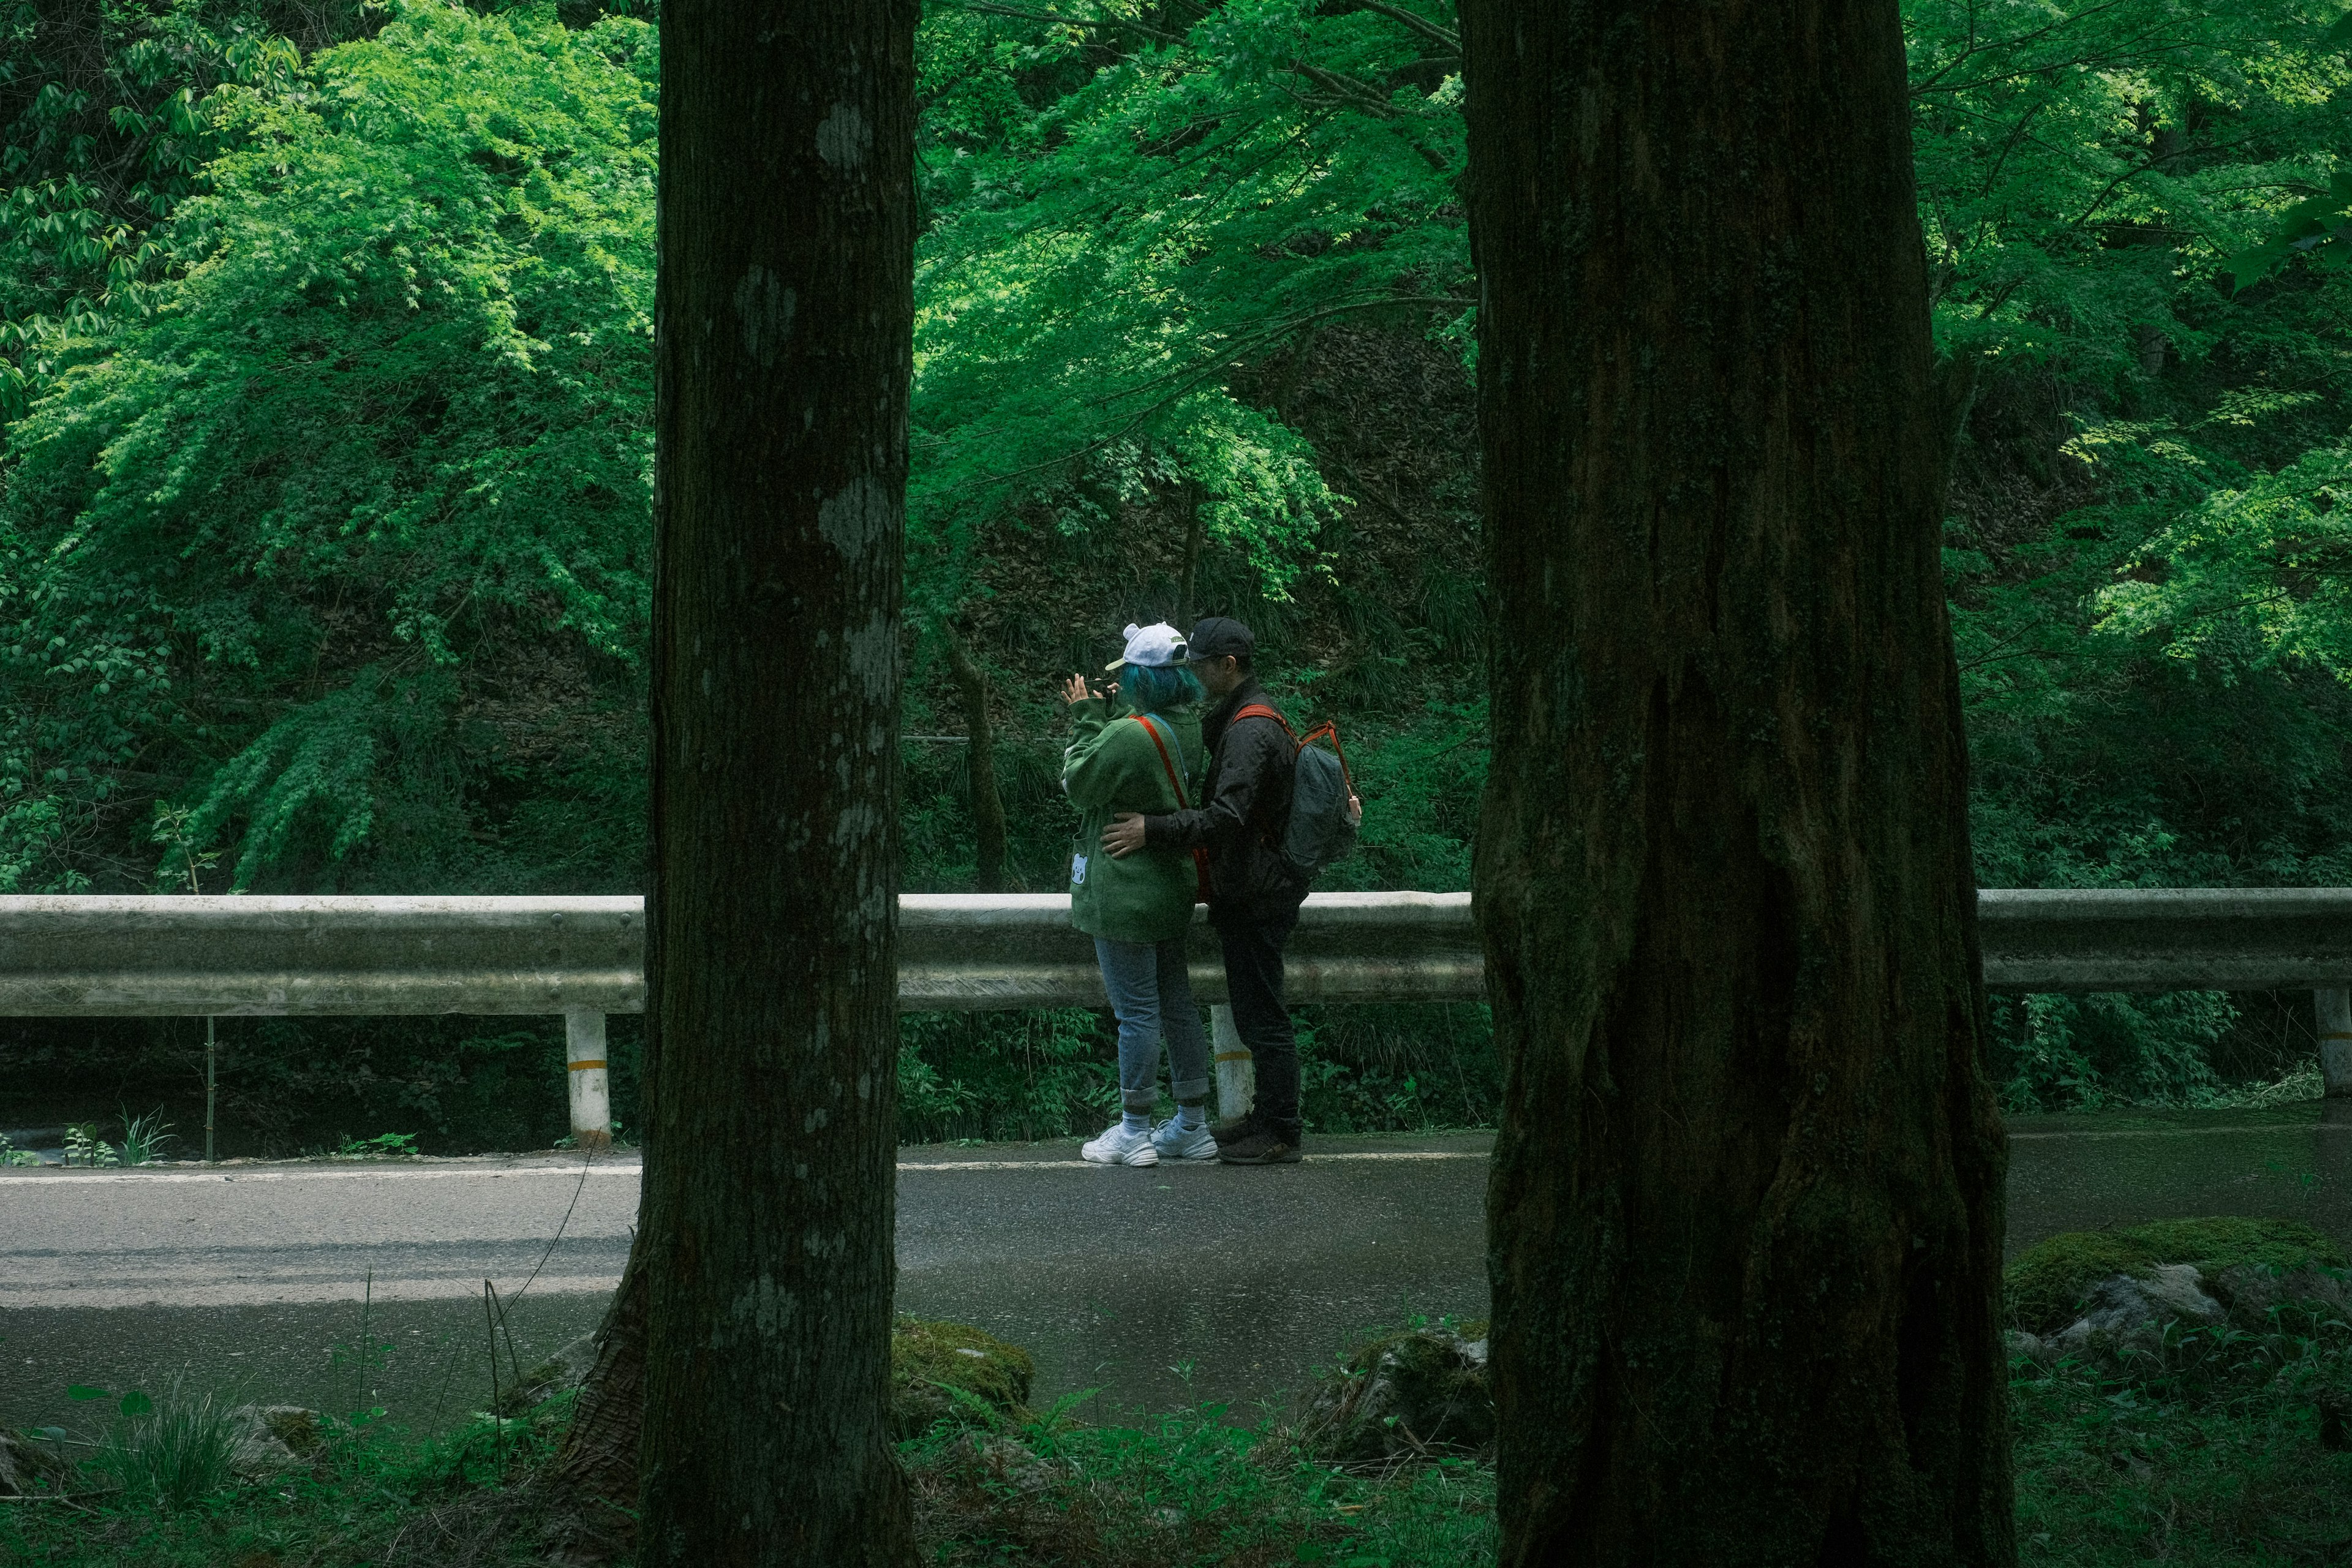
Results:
<point x="1139" y="1101"/>
<point x="1191" y="1089"/>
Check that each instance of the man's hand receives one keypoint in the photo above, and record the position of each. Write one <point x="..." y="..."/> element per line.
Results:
<point x="1075" y="689"/>
<point x="1123" y="836"/>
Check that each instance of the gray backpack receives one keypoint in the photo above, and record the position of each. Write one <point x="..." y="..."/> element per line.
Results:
<point x="1322" y="827"/>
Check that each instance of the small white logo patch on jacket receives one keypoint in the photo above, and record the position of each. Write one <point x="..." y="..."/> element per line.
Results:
<point x="1077" y="870"/>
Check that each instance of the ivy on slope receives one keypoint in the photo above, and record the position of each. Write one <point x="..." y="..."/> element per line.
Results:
<point x="386" y="421"/>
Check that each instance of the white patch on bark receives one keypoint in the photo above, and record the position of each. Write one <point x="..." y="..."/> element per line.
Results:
<point x="858" y="518"/>
<point x="855" y="823"/>
<point x="763" y="1307"/>
<point x="844" y="138"/>
<point x="764" y="309"/>
<point x="815" y="1120"/>
<point x="874" y="657"/>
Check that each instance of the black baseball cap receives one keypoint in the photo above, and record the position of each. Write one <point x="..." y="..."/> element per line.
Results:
<point x="1216" y="637"/>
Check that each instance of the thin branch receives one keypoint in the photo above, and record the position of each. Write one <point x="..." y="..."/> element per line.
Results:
<point x="1421" y="25"/>
<point x="1347" y="90"/>
<point x="1974" y="48"/>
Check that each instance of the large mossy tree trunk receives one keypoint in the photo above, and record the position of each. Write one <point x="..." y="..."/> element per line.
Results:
<point x="784" y="314"/>
<point x="1746" y="1211"/>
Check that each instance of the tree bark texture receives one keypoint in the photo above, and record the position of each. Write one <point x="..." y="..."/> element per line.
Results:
<point x="597" y="1465"/>
<point x="1746" y="1208"/>
<point x="784" y="315"/>
<point x="979" y="746"/>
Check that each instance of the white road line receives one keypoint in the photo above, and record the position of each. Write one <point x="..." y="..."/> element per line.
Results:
<point x="2290" y="1127"/>
<point x="569" y="1173"/>
<point x="29" y="1180"/>
<point x="1178" y="1164"/>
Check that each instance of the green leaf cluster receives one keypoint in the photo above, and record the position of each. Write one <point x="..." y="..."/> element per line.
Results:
<point x="385" y="422"/>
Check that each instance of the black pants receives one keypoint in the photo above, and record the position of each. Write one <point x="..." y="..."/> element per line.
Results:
<point x="1253" y="985"/>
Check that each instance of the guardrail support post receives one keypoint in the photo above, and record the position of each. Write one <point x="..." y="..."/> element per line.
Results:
<point x="2333" y="1009"/>
<point x="592" y="1094"/>
<point x="1236" y="1068"/>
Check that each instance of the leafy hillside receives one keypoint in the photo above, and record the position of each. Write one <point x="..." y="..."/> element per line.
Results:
<point x="325" y="350"/>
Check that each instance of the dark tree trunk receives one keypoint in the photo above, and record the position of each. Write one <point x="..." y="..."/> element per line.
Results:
<point x="1746" y="1200"/>
<point x="783" y="346"/>
<point x="979" y="743"/>
<point x="1188" y="576"/>
<point x="598" y="1465"/>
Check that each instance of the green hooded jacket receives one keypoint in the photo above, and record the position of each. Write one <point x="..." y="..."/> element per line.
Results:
<point x="1111" y="766"/>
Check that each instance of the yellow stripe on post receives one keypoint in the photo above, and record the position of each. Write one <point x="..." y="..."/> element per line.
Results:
<point x="583" y="1066"/>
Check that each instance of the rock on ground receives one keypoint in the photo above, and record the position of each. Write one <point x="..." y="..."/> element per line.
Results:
<point x="940" y="1369"/>
<point x="2131" y="1307"/>
<point x="1409" y="1392"/>
<point x="271" y="1438"/>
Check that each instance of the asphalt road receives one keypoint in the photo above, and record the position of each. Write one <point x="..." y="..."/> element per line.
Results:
<point x="1155" y="1286"/>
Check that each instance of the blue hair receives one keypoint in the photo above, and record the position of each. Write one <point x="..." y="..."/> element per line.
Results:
<point x="1159" y="687"/>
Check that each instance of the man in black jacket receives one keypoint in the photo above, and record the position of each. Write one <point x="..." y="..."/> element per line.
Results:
<point x="1254" y="893"/>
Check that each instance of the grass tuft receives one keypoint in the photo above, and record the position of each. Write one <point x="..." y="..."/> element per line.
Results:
<point x="171" y="1453"/>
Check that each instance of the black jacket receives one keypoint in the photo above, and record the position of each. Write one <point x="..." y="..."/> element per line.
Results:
<point x="1240" y="823"/>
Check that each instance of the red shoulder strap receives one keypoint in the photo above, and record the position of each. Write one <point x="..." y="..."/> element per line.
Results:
<point x="1199" y="857"/>
<point x="1325" y="731"/>
<point x="1160" y="746"/>
<point x="1260" y="711"/>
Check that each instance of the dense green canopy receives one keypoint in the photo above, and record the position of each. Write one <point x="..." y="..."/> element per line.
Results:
<point x="325" y="489"/>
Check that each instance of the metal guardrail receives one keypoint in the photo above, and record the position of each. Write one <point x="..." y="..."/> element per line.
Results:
<point x="2166" y="939"/>
<point x="164" y="955"/>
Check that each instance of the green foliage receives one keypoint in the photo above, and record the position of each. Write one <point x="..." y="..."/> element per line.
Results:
<point x="324" y="495"/>
<point x="386" y="421"/>
<point x="2047" y="1281"/>
<point x="382" y="1146"/>
<point x="1026" y="1075"/>
<point x="1097" y="260"/>
<point x="103" y="131"/>
<point x="2080" y="1053"/>
<point x="2217" y="1451"/>
<point x="84" y="1146"/>
<point x="145" y="1137"/>
<point x="2081" y="166"/>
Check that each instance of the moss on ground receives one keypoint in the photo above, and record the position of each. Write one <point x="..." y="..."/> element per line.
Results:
<point x="929" y="1359"/>
<point x="2047" y="1281"/>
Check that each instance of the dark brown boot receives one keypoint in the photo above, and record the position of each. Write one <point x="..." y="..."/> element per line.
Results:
<point x="1234" y="1129"/>
<point x="1262" y="1145"/>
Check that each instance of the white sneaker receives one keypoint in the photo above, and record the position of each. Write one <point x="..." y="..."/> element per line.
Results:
<point x="1176" y="1141"/>
<point x="1117" y="1146"/>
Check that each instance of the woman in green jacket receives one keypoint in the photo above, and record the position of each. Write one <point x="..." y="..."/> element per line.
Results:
<point x="1139" y="750"/>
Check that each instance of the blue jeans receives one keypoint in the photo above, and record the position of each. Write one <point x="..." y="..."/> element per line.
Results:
<point x="1152" y="995"/>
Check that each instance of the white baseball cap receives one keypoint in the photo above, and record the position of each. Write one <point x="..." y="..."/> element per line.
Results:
<point x="1158" y="644"/>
